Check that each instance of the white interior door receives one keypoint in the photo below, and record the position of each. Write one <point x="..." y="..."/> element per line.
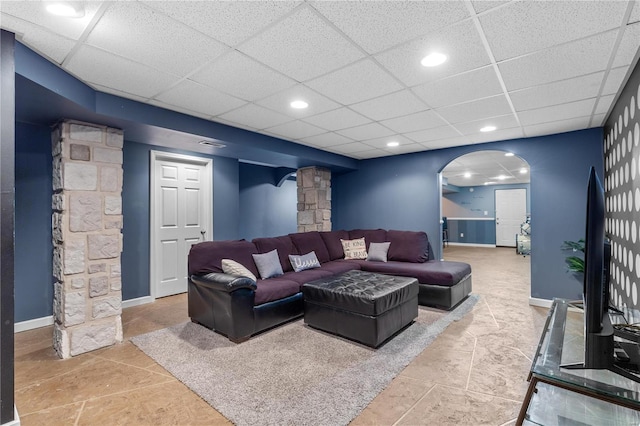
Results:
<point x="181" y="216"/>
<point x="511" y="212"/>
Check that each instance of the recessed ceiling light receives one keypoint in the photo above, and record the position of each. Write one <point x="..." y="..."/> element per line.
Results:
<point x="467" y="175"/>
<point x="523" y="171"/>
<point x="488" y="129"/>
<point x="67" y="9"/>
<point x="509" y="154"/>
<point x="489" y="183"/>
<point x="299" y="104"/>
<point x="393" y="144"/>
<point x="433" y="59"/>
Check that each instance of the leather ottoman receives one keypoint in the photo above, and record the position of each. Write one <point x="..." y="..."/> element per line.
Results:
<point x="362" y="306"/>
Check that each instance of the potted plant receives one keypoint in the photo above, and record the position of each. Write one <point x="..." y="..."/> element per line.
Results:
<point x="575" y="263"/>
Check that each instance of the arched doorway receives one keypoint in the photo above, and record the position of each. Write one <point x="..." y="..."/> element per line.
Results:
<point x="485" y="201"/>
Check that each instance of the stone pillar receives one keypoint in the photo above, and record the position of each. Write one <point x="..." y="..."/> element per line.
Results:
<point x="314" y="199"/>
<point x="87" y="238"/>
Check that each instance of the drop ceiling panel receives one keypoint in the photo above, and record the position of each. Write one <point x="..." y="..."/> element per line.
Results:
<point x="604" y="103"/>
<point x="614" y="81"/>
<point x="242" y="77"/>
<point x="295" y="130"/>
<point x="230" y="22"/>
<point x="557" y="112"/>
<point x="348" y="86"/>
<point x="476" y="84"/>
<point x="558" y="92"/>
<point x="281" y="101"/>
<point x="460" y="42"/>
<point x="138" y="33"/>
<point x="628" y="46"/>
<point x="49" y="44"/>
<point x="302" y="46"/>
<point x="99" y="67"/>
<point x="373" y="153"/>
<point x="381" y="143"/>
<point x="327" y="139"/>
<point x="528" y="26"/>
<point x="350" y="148"/>
<point x="390" y="106"/>
<point x="197" y="97"/>
<point x="414" y="122"/>
<point x="405" y="149"/>
<point x="338" y="119"/>
<point x="367" y="131"/>
<point x="558" y="63"/>
<point x="442" y="132"/>
<point x="255" y="116"/>
<point x="483" y="5"/>
<point x="473" y="127"/>
<point x="635" y="13"/>
<point x="380" y="25"/>
<point x="476" y="110"/>
<point x="175" y="108"/>
<point x="557" y="127"/>
<point x="35" y="13"/>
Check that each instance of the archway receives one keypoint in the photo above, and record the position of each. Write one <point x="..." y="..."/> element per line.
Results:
<point x="470" y="214"/>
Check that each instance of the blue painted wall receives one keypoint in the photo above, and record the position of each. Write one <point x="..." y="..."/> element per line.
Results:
<point x="33" y="246"/>
<point x="402" y="192"/>
<point x="472" y="231"/>
<point x="135" y="208"/>
<point x="266" y="210"/>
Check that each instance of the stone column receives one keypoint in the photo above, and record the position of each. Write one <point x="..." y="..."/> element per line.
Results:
<point x="87" y="238"/>
<point x="314" y="199"/>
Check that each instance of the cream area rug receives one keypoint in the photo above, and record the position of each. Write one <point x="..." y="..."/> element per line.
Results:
<point x="293" y="374"/>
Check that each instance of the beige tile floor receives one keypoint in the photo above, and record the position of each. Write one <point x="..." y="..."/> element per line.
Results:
<point x="474" y="373"/>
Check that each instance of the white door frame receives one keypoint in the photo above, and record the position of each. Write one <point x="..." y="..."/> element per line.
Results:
<point x="156" y="156"/>
<point x="513" y="191"/>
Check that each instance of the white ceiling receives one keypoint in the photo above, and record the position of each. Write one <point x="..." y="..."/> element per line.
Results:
<point x="528" y="67"/>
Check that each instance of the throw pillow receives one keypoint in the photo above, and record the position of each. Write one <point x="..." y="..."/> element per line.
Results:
<point x="354" y="249"/>
<point x="306" y="261"/>
<point x="236" y="269"/>
<point x="378" y="252"/>
<point x="268" y="264"/>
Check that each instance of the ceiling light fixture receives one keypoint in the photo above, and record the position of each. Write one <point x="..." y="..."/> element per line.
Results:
<point x="509" y="154"/>
<point x="393" y="144"/>
<point x="433" y="59"/>
<point x="523" y="171"/>
<point x="489" y="183"/>
<point x="467" y="175"/>
<point x="299" y="104"/>
<point x="488" y="128"/>
<point x="66" y="9"/>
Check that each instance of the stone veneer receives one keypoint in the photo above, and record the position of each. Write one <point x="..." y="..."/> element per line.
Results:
<point x="87" y="238"/>
<point x="314" y="199"/>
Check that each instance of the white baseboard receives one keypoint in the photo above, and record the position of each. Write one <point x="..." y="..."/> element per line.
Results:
<point x="471" y="245"/>
<point x="543" y="303"/>
<point x="46" y="321"/>
<point x="33" y="323"/>
<point x="137" y="301"/>
<point x="16" y="419"/>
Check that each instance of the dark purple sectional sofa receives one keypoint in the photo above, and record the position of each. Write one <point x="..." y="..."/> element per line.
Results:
<point x="239" y="307"/>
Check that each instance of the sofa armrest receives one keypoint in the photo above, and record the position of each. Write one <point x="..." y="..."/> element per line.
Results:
<point x="223" y="282"/>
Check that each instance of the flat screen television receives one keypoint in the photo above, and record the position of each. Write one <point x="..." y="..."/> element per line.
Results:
<point x="598" y="331"/>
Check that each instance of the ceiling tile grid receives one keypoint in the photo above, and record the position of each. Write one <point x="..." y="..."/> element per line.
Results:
<point x="357" y="64"/>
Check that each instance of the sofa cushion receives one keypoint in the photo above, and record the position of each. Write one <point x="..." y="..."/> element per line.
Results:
<point x="304" y="262"/>
<point x="332" y="241"/>
<point x="308" y="275"/>
<point x="434" y="272"/>
<point x="268" y="264"/>
<point x="275" y="289"/>
<point x="283" y="244"/>
<point x="206" y="257"/>
<point x="370" y="235"/>
<point x="378" y="252"/>
<point x="307" y="242"/>
<point x="408" y="246"/>
<point x="340" y="266"/>
<point x="236" y="269"/>
<point x="354" y="249"/>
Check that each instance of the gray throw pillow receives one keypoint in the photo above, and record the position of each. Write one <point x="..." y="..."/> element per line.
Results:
<point x="378" y="252"/>
<point x="236" y="269"/>
<point x="268" y="264"/>
<point x="306" y="261"/>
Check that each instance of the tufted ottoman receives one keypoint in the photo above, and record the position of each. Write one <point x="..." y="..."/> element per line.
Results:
<point x="363" y="306"/>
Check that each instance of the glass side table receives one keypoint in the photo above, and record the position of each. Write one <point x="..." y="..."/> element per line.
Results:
<point x="559" y="396"/>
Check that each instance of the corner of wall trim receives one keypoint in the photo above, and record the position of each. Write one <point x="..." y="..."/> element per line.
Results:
<point x="543" y="303"/>
<point x="32" y="324"/>
<point x="137" y="301"/>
